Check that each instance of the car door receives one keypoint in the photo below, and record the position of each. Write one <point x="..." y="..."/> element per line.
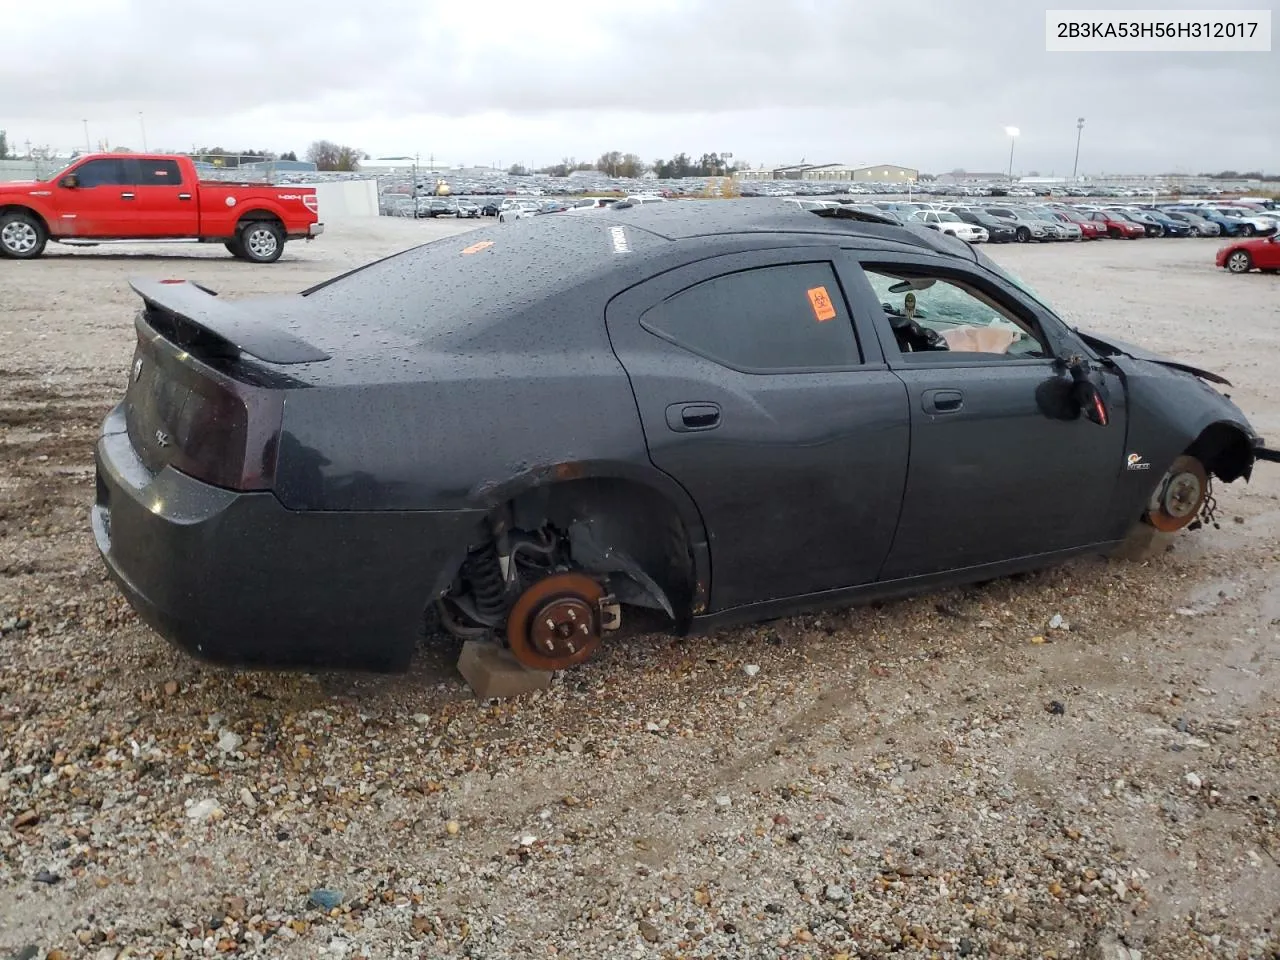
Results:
<point x="996" y="473"/>
<point x="1266" y="255"/>
<point x="774" y="409"/>
<point x="103" y="203"/>
<point x="169" y="207"/>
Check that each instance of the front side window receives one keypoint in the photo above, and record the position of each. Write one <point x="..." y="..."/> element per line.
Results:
<point x="107" y="172"/>
<point x="790" y="317"/>
<point x="939" y="315"/>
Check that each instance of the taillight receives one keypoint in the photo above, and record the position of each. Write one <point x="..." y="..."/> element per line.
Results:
<point x="312" y="202"/>
<point x="228" y="437"/>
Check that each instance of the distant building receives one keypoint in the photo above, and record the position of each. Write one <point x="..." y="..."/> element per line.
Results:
<point x="963" y="176"/>
<point x="869" y="173"/>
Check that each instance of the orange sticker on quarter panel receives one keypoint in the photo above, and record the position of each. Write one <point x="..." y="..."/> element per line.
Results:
<point x="820" y="300"/>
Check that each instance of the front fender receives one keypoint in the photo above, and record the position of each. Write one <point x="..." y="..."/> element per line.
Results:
<point x="33" y="205"/>
<point x="1169" y="410"/>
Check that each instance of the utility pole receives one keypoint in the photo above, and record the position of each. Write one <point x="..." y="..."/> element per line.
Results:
<point x="143" y="127"/>
<point x="88" y="147"/>
<point x="1013" y="138"/>
<point x="1079" y="130"/>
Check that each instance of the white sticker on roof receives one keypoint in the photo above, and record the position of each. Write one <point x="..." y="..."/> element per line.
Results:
<point x="620" y="242"/>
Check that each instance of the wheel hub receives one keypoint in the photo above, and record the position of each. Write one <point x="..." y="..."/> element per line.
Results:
<point x="262" y="242"/>
<point x="556" y="623"/>
<point x="1180" y="496"/>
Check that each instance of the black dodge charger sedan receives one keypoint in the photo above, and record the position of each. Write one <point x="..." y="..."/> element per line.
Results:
<point x="724" y="411"/>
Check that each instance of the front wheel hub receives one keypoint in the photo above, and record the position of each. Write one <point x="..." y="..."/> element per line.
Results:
<point x="1180" y="495"/>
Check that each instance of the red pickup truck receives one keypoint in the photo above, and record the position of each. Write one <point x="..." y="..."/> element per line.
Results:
<point x="129" y="196"/>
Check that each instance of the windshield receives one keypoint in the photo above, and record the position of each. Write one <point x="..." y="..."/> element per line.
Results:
<point x="62" y="172"/>
<point x="949" y="218"/>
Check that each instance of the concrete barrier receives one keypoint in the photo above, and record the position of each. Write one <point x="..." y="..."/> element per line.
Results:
<point x="346" y="199"/>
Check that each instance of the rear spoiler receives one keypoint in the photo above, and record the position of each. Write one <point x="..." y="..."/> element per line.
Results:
<point x="232" y="323"/>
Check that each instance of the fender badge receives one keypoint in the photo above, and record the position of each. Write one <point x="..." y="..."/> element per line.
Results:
<point x="1135" y="462"/>
<point x="137" y="369"/>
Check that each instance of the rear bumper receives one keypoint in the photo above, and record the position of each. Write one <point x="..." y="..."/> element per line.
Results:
<point x="236" y="578"/>
<point x="315" y="230"/>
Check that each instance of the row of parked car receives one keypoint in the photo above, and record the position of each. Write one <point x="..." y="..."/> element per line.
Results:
<point x="1003" y="223"/>
<point x="504" y="208"/>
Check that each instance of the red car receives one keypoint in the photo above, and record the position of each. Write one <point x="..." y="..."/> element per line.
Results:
<point x="1242" y="256"/>
<point x="1089" y="229"/>
<point x="1115" y="228"/>
<point x="129" y="196"/>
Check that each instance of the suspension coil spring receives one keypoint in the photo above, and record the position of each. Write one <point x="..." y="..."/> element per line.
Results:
<point x="484" y="573"/>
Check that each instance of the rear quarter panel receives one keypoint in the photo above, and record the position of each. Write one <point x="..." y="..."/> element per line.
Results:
<point x="223" y="205"/>
<point x="435" y="430"/>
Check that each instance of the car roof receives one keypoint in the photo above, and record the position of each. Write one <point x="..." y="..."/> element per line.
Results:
<point x="690" y="219"/>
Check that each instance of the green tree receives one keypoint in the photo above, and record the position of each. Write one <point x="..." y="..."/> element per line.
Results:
<point x="517" y="170"/>
<point x="288" y="155"/>
<point x="4" y="144"/>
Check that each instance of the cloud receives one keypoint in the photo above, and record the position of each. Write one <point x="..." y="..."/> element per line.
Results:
<point x="930" y="84"/>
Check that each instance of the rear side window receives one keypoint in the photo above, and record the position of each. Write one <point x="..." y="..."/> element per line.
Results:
<point x="764" y="320"/>
<point x="159" y="173"/>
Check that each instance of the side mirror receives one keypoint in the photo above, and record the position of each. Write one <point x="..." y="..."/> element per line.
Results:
<point x="1092" y="404"/>
<point x="70" y="181"/>
<point x="1063" y="398"/>
<point x="1087" y="393"/>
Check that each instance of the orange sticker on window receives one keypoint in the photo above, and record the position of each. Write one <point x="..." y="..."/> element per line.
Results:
<point x="820" y="300"/>
<point x="477" y="247"/>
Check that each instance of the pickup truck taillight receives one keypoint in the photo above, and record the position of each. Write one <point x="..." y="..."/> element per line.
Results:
<point x="312" y="203"/>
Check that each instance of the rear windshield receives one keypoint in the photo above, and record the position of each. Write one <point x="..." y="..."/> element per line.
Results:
<point x="462" y="282"/>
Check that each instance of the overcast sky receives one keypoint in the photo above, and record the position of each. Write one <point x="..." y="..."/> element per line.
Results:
<point x="930" y="84"/>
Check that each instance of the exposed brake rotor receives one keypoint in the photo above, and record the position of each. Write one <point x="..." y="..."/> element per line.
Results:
<point x="556" y="623"/>
<point x="1180" y="496"/>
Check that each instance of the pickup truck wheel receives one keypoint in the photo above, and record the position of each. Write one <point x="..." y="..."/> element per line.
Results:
<point x="22" y="236"/>
<point x="262" y="241"/>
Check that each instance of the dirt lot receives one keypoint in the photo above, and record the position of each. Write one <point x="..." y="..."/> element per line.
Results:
<point x="940" y="776"/>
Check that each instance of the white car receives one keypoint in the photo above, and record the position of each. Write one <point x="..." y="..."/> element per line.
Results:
<point x="638" y="199"/>
<point x="517" y="210"/>
<point x="813" y="204"/>
<point x="946" y="222"/>
<point x="593" y="203"/>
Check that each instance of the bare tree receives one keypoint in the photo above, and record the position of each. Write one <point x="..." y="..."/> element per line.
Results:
<point x="327" y="155"/>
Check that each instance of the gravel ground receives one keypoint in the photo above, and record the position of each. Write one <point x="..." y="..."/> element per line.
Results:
<point x="942" y="776"/>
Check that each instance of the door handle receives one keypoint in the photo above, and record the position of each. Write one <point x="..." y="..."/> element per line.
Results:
<point x="690" y="417"/>
<point x="126" y="196"/>
<point x="942" y="401"/>
<point x="184" y="196"/>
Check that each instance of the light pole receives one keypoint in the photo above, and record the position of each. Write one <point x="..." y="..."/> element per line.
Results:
<point x="1079" y="130"/>
<point x="143" y="127"/>
<point x="88" y="147"/>
<point x="1013" y="138"/>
